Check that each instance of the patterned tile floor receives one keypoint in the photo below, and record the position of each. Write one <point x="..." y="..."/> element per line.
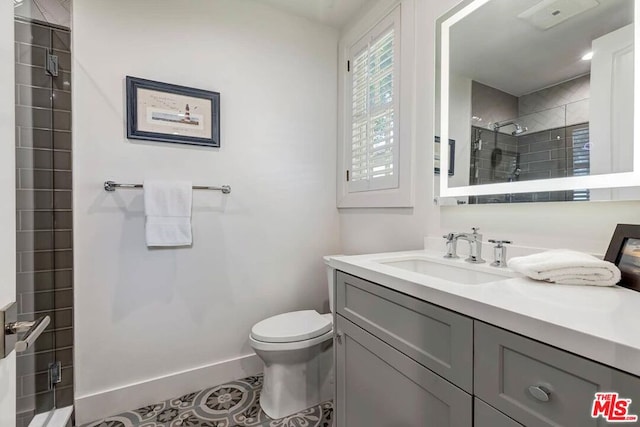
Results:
<point x="235" y="404"/>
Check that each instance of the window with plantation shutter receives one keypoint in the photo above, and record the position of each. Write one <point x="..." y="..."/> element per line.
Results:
<point x="373" y="113"/>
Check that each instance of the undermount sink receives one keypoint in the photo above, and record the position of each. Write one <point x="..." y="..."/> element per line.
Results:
<point x="465" y="275"/>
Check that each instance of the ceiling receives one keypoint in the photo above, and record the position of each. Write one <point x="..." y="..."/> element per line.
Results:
<point x="495" y="47"/>
<point x="335" y="13"/>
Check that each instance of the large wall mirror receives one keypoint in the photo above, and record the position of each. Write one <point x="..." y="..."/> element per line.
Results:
<point x="539" y="98"/>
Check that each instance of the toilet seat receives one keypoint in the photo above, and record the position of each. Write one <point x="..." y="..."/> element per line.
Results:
<point x="292" y="327"/>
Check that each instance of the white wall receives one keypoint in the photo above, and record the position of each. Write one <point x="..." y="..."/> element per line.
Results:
<point x="8" y="208"/>
<point x="145" y="314"/>
<point x="584" y="226"/>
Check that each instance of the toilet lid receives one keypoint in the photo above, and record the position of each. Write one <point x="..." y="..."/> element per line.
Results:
<point x="289" y="327"/>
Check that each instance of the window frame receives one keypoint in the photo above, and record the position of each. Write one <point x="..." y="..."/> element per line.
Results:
<point x="391" y="21"/>
<point x="397" y="191"/>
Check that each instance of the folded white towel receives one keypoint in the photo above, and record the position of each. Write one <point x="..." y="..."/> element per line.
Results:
<point x="566" y="267"/>
<point x="167" y="206"/>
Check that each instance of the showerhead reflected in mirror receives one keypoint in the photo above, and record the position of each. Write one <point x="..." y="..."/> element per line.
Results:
<point x="539" y="96"/>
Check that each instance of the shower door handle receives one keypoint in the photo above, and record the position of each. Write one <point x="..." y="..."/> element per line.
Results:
<point x="10" y="328"/>
<point x="33" y="330"/>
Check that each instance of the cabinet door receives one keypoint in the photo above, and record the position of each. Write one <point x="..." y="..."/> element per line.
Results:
<point x="486" y="416"/>
<point x="439" y="339"/>
<point x="379" y="386"/>
<point x="542" y="386"/>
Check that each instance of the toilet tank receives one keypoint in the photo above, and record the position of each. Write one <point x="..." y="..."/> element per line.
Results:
<point x="330" y="280"/>
<point x="331" y="277"/>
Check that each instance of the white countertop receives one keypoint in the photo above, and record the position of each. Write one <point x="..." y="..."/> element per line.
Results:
<point x="599" y="323"/>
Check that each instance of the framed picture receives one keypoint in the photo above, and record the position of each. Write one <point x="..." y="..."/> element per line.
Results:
<point x="169" y="113"/>
<point x="624" y="251"/>
<point x="452" y="156"/>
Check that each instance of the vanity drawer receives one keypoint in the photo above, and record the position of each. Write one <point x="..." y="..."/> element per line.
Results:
<point x="508" y="365"/>
<point x="434" y="337"/>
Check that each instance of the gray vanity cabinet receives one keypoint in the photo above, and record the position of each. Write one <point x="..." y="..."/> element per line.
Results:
<point x="378" y="386"/>
<point x="402" y="362"/>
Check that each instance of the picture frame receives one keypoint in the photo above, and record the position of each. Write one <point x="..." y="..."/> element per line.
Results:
<point x="624" y="252"/>
<point x="436" y="156"/>
<point x="166" y="112"/>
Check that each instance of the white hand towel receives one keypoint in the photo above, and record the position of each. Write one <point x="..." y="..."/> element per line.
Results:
<point x="167" y="206"/>
<point x="566" y="267"/>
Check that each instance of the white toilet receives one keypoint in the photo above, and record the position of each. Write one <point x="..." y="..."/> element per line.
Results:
<point x="297" y="351"/>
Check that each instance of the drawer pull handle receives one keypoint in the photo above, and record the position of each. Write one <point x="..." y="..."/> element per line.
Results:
<point x="540" y="393"/>
<point x="339" y="335"/>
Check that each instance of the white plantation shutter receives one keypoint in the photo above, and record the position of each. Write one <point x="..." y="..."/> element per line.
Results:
<point x="372" y="145"/>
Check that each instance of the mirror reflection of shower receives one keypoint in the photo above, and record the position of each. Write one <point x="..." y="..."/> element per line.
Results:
<point x="518" y="127"/>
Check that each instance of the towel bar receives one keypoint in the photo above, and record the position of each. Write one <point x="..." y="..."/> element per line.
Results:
<point x="111" y="186"/>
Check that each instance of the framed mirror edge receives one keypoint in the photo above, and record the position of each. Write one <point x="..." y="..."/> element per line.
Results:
<point x="602" y="181"/>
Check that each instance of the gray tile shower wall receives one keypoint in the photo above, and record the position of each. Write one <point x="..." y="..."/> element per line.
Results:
<point x="44" y="213"/>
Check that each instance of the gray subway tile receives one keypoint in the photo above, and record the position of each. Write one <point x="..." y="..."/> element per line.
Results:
<point x="37" y="261"/>
<point x="62" y="100"/>
<point x="62" y="200"/>
<point x="62" y="120"/>
<point x="29" y="75"/>
<point x="62" y="140"/>
<point x="35" y="281"/>
<point x="27" y="241"/>
<point x="63" y="240"/>
<point x="64" y="396"/>
<point x="64" y="338"/>
<point x="535" y="157"/>
<point x="65" y="356"/>
<point x="63" y="81"/>
<point x="63" y="220"/>
<point x="62" y="160"/>
<point x="61" y="40"/>
<point x="32" y="34"/>
<point x="34" y="362"/>
<point x="29" y="117"/>
<point x="551" y="165"/>
<point x="35" y="179"/>
<point x="534" y="137"/>
<point x="63" y="279"/>
<point x="534" y="175"/>
<point x="62" y="180"/>
<point x="34" y="97"/>
<point x="63" y="258"/>
<point x="35" y="138"/>
<point x="34" y="199"/>
<point x="36" y="220"/>
<point x="31" y="55"/>
<point x="27" y="158"/>
<point x="35" y="383"/>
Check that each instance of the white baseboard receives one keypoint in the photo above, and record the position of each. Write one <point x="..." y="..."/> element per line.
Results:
<point x="114" y="401"/>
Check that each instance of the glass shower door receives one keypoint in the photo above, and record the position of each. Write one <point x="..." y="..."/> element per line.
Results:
<point x="43" y="204"/>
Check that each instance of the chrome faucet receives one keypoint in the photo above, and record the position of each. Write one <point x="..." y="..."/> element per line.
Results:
<point x="475" y="245"/>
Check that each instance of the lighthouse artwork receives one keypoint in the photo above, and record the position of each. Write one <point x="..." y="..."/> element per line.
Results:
<point x="163" y="112"/>
<point x="177" y="117"/>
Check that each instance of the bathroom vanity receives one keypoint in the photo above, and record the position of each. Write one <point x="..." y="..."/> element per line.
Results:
<point x="490" y="350"/>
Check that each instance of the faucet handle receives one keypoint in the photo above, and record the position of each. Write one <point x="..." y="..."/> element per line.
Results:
<point x="475" y="229"/>
<point x="448" y="236"/>
<point x="500" y="243"/>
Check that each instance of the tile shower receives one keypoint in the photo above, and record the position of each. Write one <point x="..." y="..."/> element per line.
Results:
<point x="555" y="143"/>
<point x="44" y="215"/>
